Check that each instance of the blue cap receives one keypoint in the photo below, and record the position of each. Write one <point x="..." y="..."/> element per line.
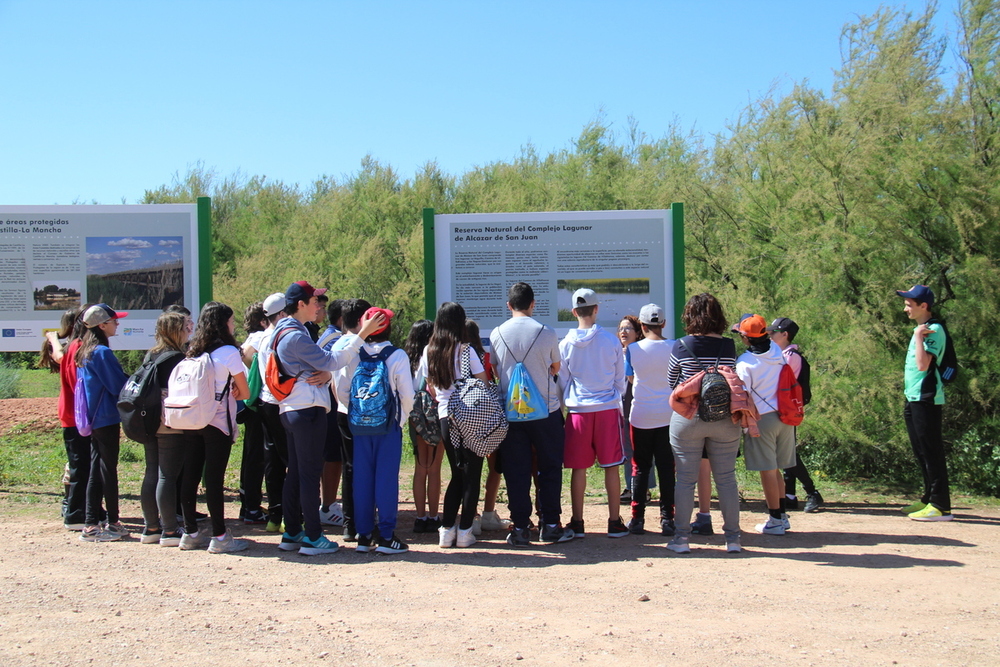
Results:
<point x="920" y="294"/>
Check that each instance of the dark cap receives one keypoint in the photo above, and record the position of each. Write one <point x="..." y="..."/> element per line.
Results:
<point x="301" y="291"/>
<point x="784" y="324"/>
<point x="920" y="294"/>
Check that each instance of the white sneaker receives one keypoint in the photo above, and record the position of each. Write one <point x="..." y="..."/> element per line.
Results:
<point x="771" y="527"/>
<point x="466" y="538"/>
<point x="446" y="536"/>
<point x="492" y="521"/>
<point x="680" y="545"/>
<point x="477" y="526"/>
<point x="733" y="545"/>
<point x="785" y="522"/>
<point x="332" y="516"/>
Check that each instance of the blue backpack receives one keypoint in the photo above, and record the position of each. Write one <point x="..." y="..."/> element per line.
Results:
<point x="373" y="408"/>
<point x="524" y="401"/>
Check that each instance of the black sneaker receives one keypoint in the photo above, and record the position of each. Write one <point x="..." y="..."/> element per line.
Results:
<point x="791" y="503"/>
<point x="813" y="502"/>
<point x="519" y="537"/>
<point x="555" y="534"/>
<point x="420" y="525"/>
<point x="364" y="544"/>
<point x="637" y="526"/>
<point x="350" y="533"/>
<point x="200" y="516"/>
<point x="626" y="496"/>
<point x="667" y="527"/>
<point x="576" y="525"/>
<point x="256" y="516"/>
<point x="433" y="524"/>
<point x="616" y="528"/>
<point x="392" y="545"/>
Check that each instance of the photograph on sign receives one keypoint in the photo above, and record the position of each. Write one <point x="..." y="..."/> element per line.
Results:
<point x="135" y="258"/>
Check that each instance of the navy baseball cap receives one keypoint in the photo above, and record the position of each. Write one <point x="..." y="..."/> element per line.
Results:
<point x="919" y="293"/>
<point x="301" y="291"/>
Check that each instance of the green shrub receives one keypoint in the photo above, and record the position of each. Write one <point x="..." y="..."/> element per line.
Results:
<point x="10" y="378"/>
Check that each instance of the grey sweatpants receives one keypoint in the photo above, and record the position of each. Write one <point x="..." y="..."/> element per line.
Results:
<point x="721" y="439"/>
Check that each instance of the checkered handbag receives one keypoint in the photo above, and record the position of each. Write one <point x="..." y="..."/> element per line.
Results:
<point x="479" y="423"/>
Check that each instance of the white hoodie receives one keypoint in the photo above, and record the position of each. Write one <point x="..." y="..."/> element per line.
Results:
<point x="759" y="373"/>
<point x="592" y="371"/>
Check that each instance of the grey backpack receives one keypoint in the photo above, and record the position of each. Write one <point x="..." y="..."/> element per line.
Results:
<point x="713" y="405"/>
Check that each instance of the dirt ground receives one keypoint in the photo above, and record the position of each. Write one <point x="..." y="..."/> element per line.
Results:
<point x="856" y="584"/>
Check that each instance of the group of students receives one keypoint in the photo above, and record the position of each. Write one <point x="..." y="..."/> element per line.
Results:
<point x="305" y="399"/>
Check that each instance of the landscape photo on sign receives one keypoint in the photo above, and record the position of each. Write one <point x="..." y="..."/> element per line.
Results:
<point x="616" y="297"/>
<point x="56" y="294"/>
<point x="135" y="272"/>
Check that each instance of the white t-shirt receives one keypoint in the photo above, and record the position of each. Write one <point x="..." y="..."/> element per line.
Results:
<point x="650" y="389"/>
<point x="253" y="341"/>
<point x="263" y="352"/>
<point x="443" y="395"/>
<point x="227" y="362"/>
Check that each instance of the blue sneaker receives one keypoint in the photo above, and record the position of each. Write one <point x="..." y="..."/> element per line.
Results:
<point x="317" y="547"/>
<point x="292" y="542"/>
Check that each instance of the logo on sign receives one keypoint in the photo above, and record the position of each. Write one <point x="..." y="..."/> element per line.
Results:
<point x="8" y="333"/>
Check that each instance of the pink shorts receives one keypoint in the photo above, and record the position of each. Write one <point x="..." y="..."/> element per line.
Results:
<point x="594" y="436"/>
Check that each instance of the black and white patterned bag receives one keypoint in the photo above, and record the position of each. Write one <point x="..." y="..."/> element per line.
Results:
<point x="479" y="423"/>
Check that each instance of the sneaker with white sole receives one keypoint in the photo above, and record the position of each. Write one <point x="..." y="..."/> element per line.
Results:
<point x="171" y="539"/>
<point x="318" y="547"/>
<point x="117" y="529"/>
<point x="771" y="527"/>
<point x="733" y="545"/>
<point x="393" y="545"/>
<point x="477" y="526"/>
<point x="679" y="545"/>
<point x="465" y="538"/>
<point x="554" y="534"/>
<point x="150" y="536"/>
<point x="931" y="513"/>
<point x="74" y="526"/>
<point x="492" y="521"/>
<point x="617" y="528"/>
<point x="364" y="545"/>
<point x="446" y="536"/>
<point x="332" y="515"/>
<point x="291" y="542"/>
<point x="97" y="534"/>
<point x="193" y="541"/>
<point x="785" y="522"/>
<point x="913" y="507"/>
<point x="226" y="544"/>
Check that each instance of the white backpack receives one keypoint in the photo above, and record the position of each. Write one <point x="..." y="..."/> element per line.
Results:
<point x="191" y="400"/>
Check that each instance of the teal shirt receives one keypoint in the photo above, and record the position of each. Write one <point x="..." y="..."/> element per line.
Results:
<point x="924" y="385"/>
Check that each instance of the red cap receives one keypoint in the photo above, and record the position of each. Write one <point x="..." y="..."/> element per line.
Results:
<point x="375" y="311"/>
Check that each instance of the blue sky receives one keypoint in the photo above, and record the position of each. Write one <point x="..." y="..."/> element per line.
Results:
<point x="108" y="254"/>
<point x="104" y="100"/>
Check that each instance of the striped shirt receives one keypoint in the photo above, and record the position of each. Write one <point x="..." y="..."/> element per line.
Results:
<point x="711" y="351"/>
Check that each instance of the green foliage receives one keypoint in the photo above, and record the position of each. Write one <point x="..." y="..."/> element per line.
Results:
<point x="10" y="379"/>
<point x="814" y="205"/>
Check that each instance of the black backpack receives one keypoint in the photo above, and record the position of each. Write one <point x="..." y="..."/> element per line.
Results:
<point x="140" y="402"/>
<point x="713" y="404"/>
<point x="804" y="376"/>
<point x="947" y="365"/>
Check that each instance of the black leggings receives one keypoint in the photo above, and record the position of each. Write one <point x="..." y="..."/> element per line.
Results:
<point x="209" y="449"/>
<point x="171" y="452"/>
<point x="463" y="489"/>
<point x="798" y="472"/>
<point x="105" y="443"/>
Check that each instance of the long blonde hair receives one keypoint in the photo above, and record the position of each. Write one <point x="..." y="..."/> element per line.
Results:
<point x="170" y="331"/>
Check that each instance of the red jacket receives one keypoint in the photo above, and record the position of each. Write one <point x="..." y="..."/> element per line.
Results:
<point x="685" y="397"/>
